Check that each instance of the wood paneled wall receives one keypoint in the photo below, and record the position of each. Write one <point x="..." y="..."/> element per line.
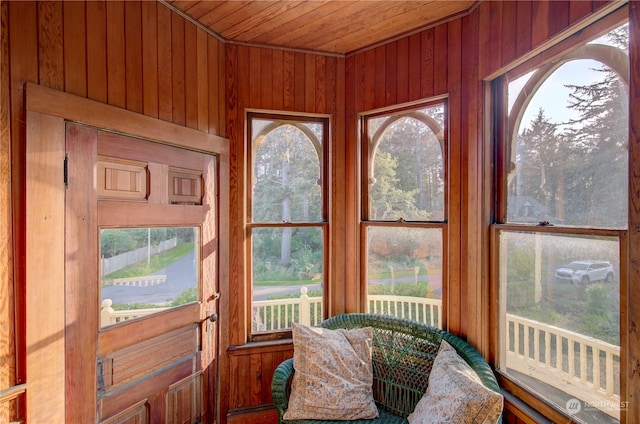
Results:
<point x="136" y="55"/>
<point x="133" y="54"/>
<point x="286" y="81"/>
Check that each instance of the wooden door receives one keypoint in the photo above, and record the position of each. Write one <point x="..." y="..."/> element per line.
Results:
<point x="143" y="366"/>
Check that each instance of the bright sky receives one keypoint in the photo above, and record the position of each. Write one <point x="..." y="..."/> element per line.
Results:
<point x="553" y="96"/>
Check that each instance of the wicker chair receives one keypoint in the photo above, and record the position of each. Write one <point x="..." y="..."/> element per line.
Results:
<point x="403" y="354"/>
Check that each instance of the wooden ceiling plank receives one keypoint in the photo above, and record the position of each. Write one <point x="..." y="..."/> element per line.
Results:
<point x="333" y="26"/>
<point x="325" y="21"/>
<point x="227" y="23"/>
<point x="200" y="8"/>
<point x="397" y="26"/>
<point x="275" y="15"/>
<point x="291" y="21"/>
<point x="337" y="36"/>
<point x="223" y="9"/>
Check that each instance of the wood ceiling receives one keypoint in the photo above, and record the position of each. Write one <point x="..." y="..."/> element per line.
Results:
<point x="330" y="26"/>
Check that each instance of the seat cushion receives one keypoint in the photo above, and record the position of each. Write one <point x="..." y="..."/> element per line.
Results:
<point x="333" y="374"/>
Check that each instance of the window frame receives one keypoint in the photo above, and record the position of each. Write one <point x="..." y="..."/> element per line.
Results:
<point x="323" y="223"/>
<point x="366" y="223"/>
<point x="500" y="130"/>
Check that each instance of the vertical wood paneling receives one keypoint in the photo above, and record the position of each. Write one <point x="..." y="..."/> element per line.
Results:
<point x="254" y="378"/>
<point x="540" y="21"/>
<point x="75" y="48"/>
<point x="178" y="70"/>
<point x="413" y="67"/>
<point x="133" y="55"/>
<point x="202" y="68"/>
<point x="379" y="82"/>
<point x="472" y="190"/>
<point x="523" y="25"/>
<point x="116" y="78"/>
<point x="277" y="80"/>
<point x="578" y="10"/>
<point x="23" y="51"/>
<point x="165" y="65"/>
<point x="289" y="88"/>
<point x="390" y="74"/>
<point x="309" y="83"/>
<point x="50" y="44"/>
<point x="457" y="320"/>
<point x="299" y="81"/>
<point x="214" y="93"/>
<point x="7" y="307"/>
<point x="367" y="69"/>
<point x="191" y="86"/>
<point x="97" y="51"/>
<point x="150" y="58"/>
<point x="558" y="16"/>
<point x="426" y="62"/>
<point x="440" y="62"/>
<point x="402" y="70"/>
<point x="494" y="59"/>
<point x="266" y="72"/>
<point x="254" y="71"/>
<point x="320" y="77"/>
<point x="509" y="37"/>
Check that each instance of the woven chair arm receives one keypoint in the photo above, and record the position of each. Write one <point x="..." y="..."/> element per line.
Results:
<point x="474" y="359"/>
<point x="279" y="386"/>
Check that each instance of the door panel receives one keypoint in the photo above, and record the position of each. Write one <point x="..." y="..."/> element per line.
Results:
<point x="151" y="368"/>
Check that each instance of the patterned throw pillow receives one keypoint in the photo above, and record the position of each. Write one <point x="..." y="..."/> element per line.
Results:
<point x="333" y="376"/>
<point x="456" y="394"/>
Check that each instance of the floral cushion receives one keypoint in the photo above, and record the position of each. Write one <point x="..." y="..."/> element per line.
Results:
<point x="333" y="376"/>
<point x="455" y="394"/>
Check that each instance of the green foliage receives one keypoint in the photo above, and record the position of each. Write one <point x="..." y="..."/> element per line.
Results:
<point x="419" y="289"/>
<point x="187" y="296"/>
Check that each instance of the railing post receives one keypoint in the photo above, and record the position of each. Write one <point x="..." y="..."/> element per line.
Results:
<point x="105" y="312"/>
<point x="305" y="308"/>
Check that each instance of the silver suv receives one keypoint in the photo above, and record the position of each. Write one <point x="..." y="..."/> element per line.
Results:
<point x="585" y="271"/>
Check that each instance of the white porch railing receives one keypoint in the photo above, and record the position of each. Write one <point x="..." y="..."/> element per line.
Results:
<point x="109" y="316"/>
<point x="581" y="366"/>
<point x="270" y="315"/>
<point x="426" y="310"/>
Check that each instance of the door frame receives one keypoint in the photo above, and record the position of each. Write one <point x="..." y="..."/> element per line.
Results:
<point x="47" y="111"/>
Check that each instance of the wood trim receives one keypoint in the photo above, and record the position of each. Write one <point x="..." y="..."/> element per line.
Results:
<point x="107" y="117"/>
<point x="44" y="257"/>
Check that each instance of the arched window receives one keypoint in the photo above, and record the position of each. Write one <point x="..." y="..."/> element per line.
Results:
<point x="404" y="211"/>
<point x="287" y="220"/>
<point x="561" y="227"/>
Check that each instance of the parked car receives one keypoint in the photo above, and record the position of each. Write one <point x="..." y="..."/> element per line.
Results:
<point x="585" y="272"/>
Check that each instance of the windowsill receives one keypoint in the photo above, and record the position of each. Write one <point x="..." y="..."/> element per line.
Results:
<point x="268" y="345"/>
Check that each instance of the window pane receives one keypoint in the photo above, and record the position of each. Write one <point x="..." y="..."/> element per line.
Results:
<point x="286" y="172"/>
<point x="569" y="154"/>
<point x="406" y="168"/>
<point x="145" y="270"/>
<point x="287" y="266"/>
<point x="404" y="273"/>
<point x="560" y="333"/>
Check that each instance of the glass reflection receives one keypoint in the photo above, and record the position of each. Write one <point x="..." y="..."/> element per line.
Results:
<point x="146" y="270"/>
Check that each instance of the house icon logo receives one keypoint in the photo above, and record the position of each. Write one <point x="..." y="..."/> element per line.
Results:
<point x="573" y="406"/>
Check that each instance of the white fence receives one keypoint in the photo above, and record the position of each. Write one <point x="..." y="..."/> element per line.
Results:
<point x="123" y="260"/>
<point x="581" y="366"/>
